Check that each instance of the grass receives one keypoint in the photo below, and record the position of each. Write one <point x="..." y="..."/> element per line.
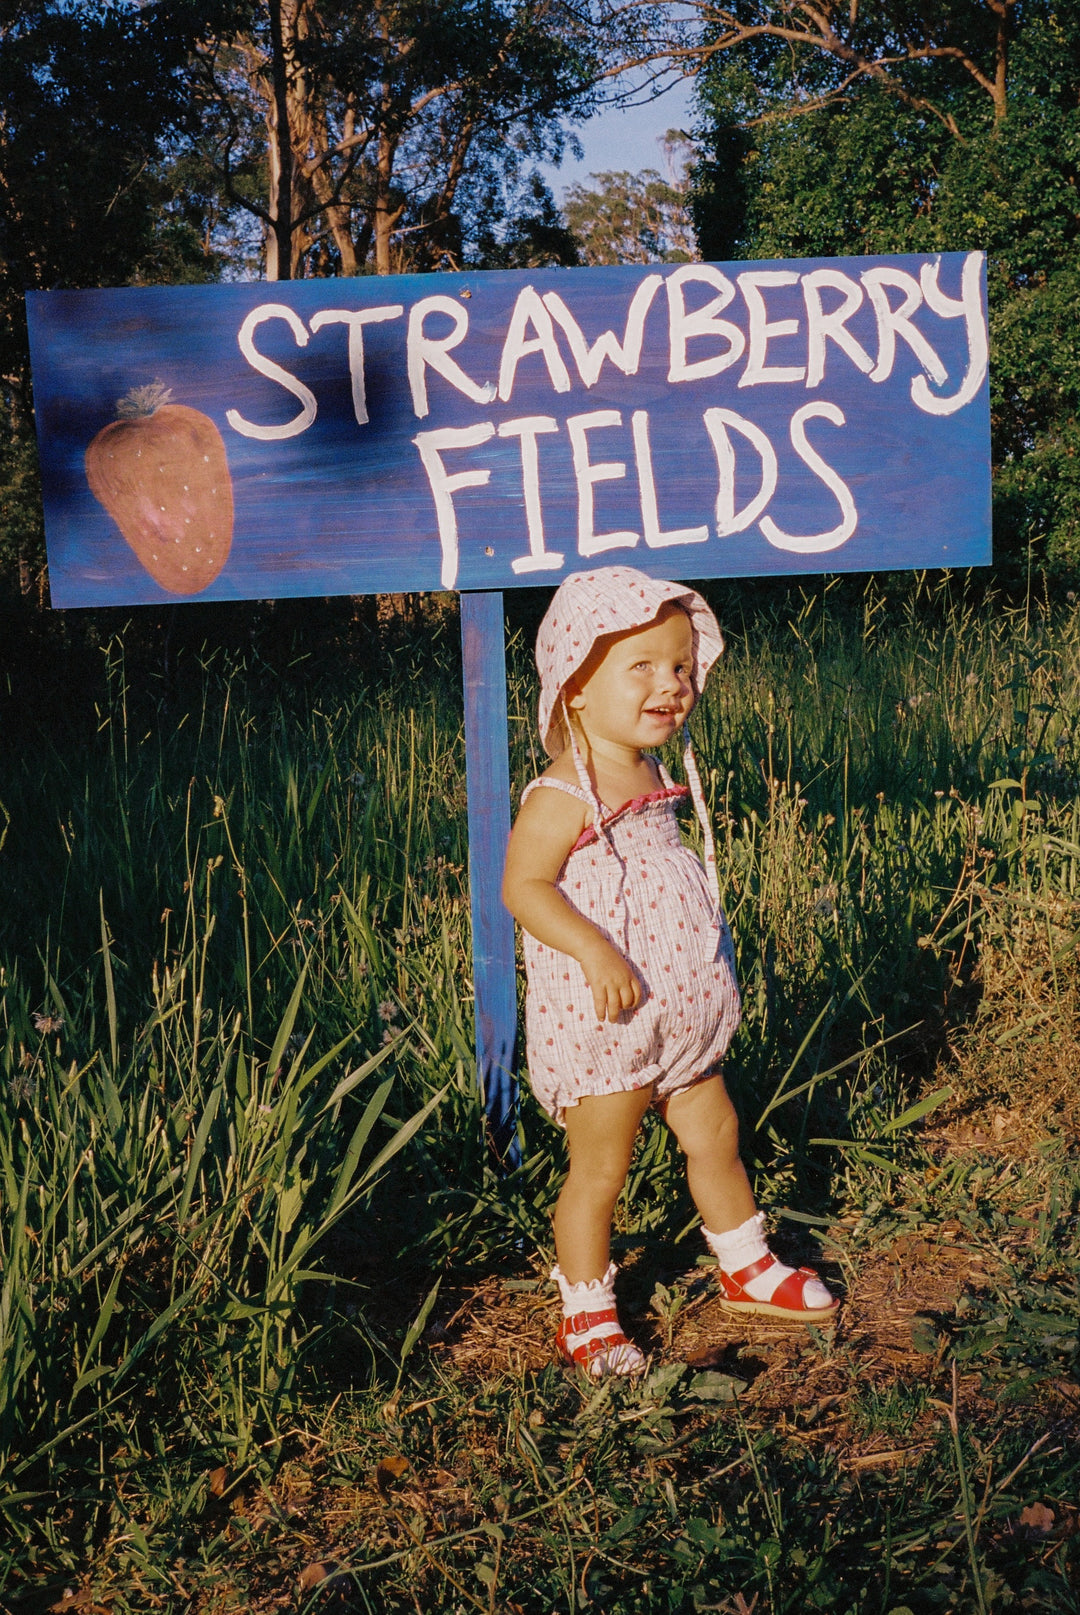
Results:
<point x="240" y="1142"/>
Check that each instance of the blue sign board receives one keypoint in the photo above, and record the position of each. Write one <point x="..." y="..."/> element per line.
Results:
<point x="476" y="432"/>
<point x="484" y="431"/>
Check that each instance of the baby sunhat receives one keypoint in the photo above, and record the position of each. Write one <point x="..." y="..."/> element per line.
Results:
<point x="610" y="600"/>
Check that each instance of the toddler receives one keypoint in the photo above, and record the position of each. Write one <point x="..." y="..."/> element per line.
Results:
<point x="632" y="997"/>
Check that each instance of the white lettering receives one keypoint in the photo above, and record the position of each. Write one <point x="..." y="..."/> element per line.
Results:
<point x="762" y="329"/>
<point x="589" y="542"/>
<point x="356" y="319"/>
<point x="728" y="520"/>
<point x="650" y="516"/>
<point x="816" y="543"/>
<point x="432" y="446"/>
<point x="822" y="327"/>
<point x="947" y="308"/>
<point x="434" y="353"/>
<point x="703" y="321"/>
<point x="894" y="322"/>
<point x="529" y="310"/>
<point x="274" y="372"/>
<point x="528" y="428"/>
<point x="626" y="356"/>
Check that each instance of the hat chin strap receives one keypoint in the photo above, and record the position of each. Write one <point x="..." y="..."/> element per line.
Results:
<point x="698" y="796"/>
<point x="583" y="774"/>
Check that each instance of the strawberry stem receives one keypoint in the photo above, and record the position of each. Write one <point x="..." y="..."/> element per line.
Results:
<point x="142" y="400"/>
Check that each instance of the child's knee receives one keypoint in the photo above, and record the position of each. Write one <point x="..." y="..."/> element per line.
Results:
<point x="600" y="1173"/>
<point x="720" y="1139"/>
<point x="705" y="1123"/>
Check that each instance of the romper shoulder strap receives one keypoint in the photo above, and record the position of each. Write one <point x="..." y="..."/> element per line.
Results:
<point x="557" y="785"/>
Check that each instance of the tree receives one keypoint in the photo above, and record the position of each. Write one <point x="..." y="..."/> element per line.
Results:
<point x="958" y="145"/>
<point x="910" y="49"/>
<point x="641" y="218"/>
<point x="390" y="135"/>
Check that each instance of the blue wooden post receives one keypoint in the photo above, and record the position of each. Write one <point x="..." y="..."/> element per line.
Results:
<point x="487" y="767"/>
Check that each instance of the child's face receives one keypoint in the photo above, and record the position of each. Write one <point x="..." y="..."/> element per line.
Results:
<point x="639" y="690"/>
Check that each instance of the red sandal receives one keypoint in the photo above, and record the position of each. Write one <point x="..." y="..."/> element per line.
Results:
<point x="590" y="1335"/>
<point x="595" y="1342"/>
<point x="789" y="1299"/>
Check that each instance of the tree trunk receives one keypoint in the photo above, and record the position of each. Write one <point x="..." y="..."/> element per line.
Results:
<point x="338" y="214"/>
<point x="1001" y="62"/>
<point x="279" y="256"/>
<point x="384" y="218"/>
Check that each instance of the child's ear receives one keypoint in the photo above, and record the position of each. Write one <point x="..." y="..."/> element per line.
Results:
<point x="574" y="698"/>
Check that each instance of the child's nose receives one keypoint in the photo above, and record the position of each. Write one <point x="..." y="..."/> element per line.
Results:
<point x="675" y="680"/>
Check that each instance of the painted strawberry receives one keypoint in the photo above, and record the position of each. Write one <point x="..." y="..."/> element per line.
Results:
<point x="161" y="472"/>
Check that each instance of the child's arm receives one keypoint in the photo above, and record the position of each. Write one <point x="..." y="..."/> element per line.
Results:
<point x="545" y="829"/>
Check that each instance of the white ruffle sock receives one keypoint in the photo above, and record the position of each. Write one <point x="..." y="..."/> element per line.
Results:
<point x="590" y="1334"/>
<point x="742" y="1247"/>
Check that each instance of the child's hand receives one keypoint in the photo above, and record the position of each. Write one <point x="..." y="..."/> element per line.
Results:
<point x="615" y="984"/>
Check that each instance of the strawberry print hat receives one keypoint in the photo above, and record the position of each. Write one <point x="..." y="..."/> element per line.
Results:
<point x="611" y="600"/>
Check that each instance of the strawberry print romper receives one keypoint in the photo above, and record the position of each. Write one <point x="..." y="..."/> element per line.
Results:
<point x="650" y="896"/>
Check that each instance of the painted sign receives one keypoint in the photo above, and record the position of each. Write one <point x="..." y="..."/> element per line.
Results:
<point x="484" y="431"/>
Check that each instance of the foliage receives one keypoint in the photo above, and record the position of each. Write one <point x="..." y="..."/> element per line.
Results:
<point x="914" y="52"/>
<point x="235" y="906"/>
<point x="93" y="97"/>
<point x="803" y="161"/>
<point x="634" y="218"/>
<point x="22" y="533"/>
<point x="162" y="1211"/>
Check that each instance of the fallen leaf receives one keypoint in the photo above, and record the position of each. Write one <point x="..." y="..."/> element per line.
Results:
<point x="711" y="1357"/>
<point x="216" y="1480"/>
<point x="77" y="1603"/>
<point x="312" y="1574"/>
<point x="388" y="1470"/>
<point x="1038" y="1518"/>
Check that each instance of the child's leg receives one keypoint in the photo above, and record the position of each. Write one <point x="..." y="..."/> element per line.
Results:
<point x="600" y="1133"/>
<point x="704" y="1122"/>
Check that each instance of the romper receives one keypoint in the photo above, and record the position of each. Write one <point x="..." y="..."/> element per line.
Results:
<point x="650" y="896"/>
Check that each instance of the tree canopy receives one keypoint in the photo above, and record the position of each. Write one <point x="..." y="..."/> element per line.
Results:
<point x="392" y="135"/>
<point x="973" y="143"/>
<point x="171" y="141"/>
<point x="624" y="218"/>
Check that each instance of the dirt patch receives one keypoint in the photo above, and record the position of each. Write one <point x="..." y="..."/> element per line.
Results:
<point x="893" y="1328"/>
<point x="890" y="1291"/>
<point x="892" y="1299"/>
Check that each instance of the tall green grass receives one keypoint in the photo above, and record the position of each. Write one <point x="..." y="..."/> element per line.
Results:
<point x="236" y="1012"/>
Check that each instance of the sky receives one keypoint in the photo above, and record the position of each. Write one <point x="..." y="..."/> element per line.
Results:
<point x="624" y="139"/>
